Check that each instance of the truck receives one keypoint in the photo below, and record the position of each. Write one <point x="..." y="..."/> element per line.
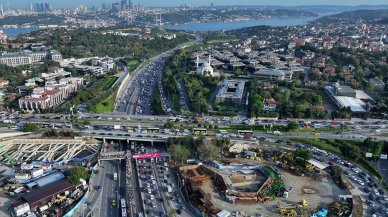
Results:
<point x="115" y="176"/>
<point x="43" y="208"/>
<point x="169" y="189"/>
<point x="22" y="209"/>
<point x="117" y="127"/>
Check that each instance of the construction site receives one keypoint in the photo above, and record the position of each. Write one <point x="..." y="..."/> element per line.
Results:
<point x="264" y="189"/>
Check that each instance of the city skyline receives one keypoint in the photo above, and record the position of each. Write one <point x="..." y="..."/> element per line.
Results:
<point x="159" y="3"/>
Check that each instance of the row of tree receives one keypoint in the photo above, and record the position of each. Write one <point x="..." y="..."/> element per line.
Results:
<point x="291" y="102"/>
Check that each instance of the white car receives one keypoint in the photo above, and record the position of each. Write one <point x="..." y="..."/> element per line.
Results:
<point x="361" y="182"/>
<point x="152" y="197"/>
<point x="385" y="198"/>
<point x="376" y="192"/>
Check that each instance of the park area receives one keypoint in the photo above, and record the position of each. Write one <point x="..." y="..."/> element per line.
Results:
<point x="132" y="63"/>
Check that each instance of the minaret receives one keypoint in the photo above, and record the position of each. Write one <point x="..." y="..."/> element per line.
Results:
<point x="1" y="11"/>
<point x="210" y="58"/>
<point x="197" y="61"/>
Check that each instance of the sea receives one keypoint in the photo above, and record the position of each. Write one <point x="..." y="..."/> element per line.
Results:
<point x="206" y="26"/>
<point x="218" y="26"/>
<point x="18" y="31"/>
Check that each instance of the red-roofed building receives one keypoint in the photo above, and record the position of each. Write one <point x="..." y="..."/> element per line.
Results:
<point x="270" y="104"/>
<point x="3" y="83"/>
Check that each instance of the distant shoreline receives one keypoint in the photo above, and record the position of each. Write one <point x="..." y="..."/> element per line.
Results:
<point x="231" y="25"/>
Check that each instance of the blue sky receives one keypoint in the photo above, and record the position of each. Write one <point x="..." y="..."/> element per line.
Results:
<point x="72" y="3"/>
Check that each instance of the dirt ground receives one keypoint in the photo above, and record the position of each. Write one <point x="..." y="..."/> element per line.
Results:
<point x="326" y="193"/>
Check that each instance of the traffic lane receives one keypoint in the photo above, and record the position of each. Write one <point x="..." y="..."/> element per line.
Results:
<point x="109" y="191"/>
<point x="152" y="206"/>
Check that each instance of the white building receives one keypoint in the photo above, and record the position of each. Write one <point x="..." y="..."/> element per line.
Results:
<point x="28" y="57"/>
<point x="273" y="75"/>
<point x="231" y="91"/>
<point x="205" y="68"/>
<point x="53" y="94"/>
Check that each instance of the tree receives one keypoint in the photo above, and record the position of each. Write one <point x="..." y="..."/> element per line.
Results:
<point x="30" y="127"/>
<point x="304" y="154"/>
<point x="350" y="151"/>
<point x="75" y="174"/>
<point x="211" y="152"/>
<point x="180" y="153"/>
<point x="171" y="213"/>
<point x="291" y="126"/>
<point x="169" y="125"/>
<point x="378" y="148"/>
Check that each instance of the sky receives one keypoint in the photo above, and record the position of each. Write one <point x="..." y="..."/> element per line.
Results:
<point x="74" y="3"/>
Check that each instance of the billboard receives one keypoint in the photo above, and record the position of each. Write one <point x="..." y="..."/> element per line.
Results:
<point x="146" y="156"/>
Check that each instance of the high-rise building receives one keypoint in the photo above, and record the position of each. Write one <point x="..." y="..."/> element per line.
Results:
<point x="130" y="4"/>
<point x="41" y="7"/>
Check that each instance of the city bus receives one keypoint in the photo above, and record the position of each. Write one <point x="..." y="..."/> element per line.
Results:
<point x="223" y="132"/>
<point x="123" y="212"/>
<point x="245" y="132"/>
<point x="199" y="131"/>
<point x="122" y="202"/>
<point x="153" y="130"/>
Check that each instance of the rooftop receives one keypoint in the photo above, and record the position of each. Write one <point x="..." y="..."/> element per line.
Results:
<point x="270" y="72"/>
<point x="49" y="179"/>
<point x="47" y="191"/>
<point x="350" y="102"/>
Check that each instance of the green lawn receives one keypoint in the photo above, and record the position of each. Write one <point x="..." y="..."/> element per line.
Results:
<point x="106" y="105"/>
<point x="155" y="102"/>
<point x="317" y="143"/>
<point x="108" y="83"/>
<point x="146" y="63"/>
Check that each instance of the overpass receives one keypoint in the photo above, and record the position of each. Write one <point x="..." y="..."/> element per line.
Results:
<point x="121" y="155"/>
<point x="129" y="138"/>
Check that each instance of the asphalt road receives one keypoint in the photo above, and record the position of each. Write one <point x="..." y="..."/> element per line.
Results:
<point x="108" y="190"/>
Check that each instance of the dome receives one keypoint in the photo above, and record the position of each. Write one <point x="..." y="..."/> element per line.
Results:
<point x="206" y="64"/>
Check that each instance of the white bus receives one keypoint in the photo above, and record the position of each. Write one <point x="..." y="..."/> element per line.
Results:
<point x="123" y="212"/>
<point x="245" y="132"/>
<point x="122" y="202"/>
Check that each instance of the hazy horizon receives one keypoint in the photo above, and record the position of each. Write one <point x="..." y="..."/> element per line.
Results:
<point x="162" y="3"/>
